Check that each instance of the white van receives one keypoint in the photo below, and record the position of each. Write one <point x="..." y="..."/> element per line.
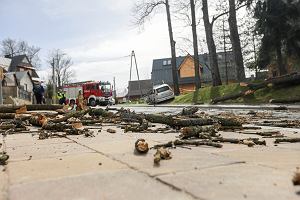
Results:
<point x="160" y="93"/>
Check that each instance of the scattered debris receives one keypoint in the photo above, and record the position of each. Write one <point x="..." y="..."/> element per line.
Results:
<point x="161" y="154"/>
<point x="290" y="140"/>
<point x="296" y="178"/>
<point x="3" y="158"/>
<point x="141" y="146"/>
<point x="110" y="130"/>
<point x="281" y="108"/>
<point x="187" y="111"/>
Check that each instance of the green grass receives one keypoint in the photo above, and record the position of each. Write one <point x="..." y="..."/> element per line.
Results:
<point x="205" y="95"/>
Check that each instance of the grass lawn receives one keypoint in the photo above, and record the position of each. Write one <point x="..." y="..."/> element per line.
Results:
<point x="205" y="95"/>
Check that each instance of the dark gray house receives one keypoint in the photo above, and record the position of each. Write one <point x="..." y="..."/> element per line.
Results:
<point x="162" y="70"/>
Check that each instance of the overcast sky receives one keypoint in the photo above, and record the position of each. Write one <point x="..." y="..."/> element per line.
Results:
<point x="97" y="34"/>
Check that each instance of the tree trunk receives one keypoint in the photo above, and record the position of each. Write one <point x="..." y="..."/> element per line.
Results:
<point x="281" y="67"/>
<point x="235" y="41"/>
<point x="213" y="60"/>
<point x="173" y="51"/>
<point x="195" y="44"/>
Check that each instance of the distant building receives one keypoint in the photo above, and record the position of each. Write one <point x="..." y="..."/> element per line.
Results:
<point x="134" y="90"/>
<point x="162" y="70"/>
<point x="19" y="77"/>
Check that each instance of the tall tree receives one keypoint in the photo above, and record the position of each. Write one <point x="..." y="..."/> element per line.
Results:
<point x="213" y="59"/>
<point x="143" y="11"/>
<point x="278" y="22"/>
<point x="11" y="47"/>
<point x="195" y="45"/>
<point x="235" y="41"/>
<point x="61" y="63"/>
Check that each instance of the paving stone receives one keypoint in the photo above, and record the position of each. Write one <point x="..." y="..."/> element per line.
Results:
<point x="123" y="184"/>
<point x="3" y="184"/>
<point x="280" y="158"/>
<point x="21" y="140"/>
<point x="236" y="182"/>
<point x="45" y="151"/>
<point x="28" y="171"/>
<point x="182" y="160"/>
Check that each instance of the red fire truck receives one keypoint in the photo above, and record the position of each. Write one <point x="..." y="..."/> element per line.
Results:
<point x="95" y="93"/>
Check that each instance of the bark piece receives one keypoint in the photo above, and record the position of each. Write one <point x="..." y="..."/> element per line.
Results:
<point x="189" y="111"/>
<point x="3" y="158"/>
<point x="290" y="140"/>
<point x="21" y="110"/>
<point x="228" y="121"/>
<point x="175" y="143"/>
<point x="7" y="126"/>
<point x="296" y="178"/>
<point x="38" y="120"/>
<point x="76" y="114"/>
<point x="161" y="154"/>
<point x="111" y="130"/>
<point x="137" y="128"/>
<point x="195" y="132"/>
<point x="99" y="112"/>
<point x="141" y="146"/>
<point x="7" y="115"/>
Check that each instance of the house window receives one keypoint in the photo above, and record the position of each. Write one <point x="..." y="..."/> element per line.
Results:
<point x="25" y="85"/>
<point x="169" y="62"/>
<point x="165" y="62"/>
<point x="220" y="57"/>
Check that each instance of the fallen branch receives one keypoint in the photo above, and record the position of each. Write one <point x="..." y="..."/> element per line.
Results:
<point x="290" y="140"/>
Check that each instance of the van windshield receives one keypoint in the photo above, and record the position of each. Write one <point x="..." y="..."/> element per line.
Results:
<point x="162" y="89"/>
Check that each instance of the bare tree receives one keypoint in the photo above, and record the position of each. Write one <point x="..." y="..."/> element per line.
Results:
<point x="143" y="11"/>
<point x="213" y="59"/>
<point x="195" y="45"/>
<point x="235" y="41"/>
<point x="61" y="63"/>
<point x="11" y="47"/>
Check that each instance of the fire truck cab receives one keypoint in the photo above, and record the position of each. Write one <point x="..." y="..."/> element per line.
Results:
<point x="94" y="93"/>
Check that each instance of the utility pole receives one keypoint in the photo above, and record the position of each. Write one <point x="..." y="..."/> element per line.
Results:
<point x="225" y="52"/>
<point x="137" y="73"/>
<point x="115" y="91"/>
<point x="1" y="92"/>
<point x="54" y="82"/>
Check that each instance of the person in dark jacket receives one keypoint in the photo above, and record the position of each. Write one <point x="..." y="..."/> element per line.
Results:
<point x="38" y="91"/>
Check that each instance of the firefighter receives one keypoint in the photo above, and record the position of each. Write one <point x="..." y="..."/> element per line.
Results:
<point x="80" y="98"/>
<point x="61" y="98"/>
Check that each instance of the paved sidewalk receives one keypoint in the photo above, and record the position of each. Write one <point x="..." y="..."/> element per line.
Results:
<point x="105" y="167"/>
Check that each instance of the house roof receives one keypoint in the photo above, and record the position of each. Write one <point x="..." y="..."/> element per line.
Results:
<point x="146" y="86"/>
<point x="5" y="63"/>
<point x="18" y="61"/>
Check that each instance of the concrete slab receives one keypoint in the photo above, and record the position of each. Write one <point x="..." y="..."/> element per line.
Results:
<point x="123" y="184"/>
<point x="182" y="160"/>
<point x="236" y="182"/>
<point x="279" y="158"/>
<point x="27" y="139"/>
<point x="3" y="184"/>
<point x="43" y="169"/>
